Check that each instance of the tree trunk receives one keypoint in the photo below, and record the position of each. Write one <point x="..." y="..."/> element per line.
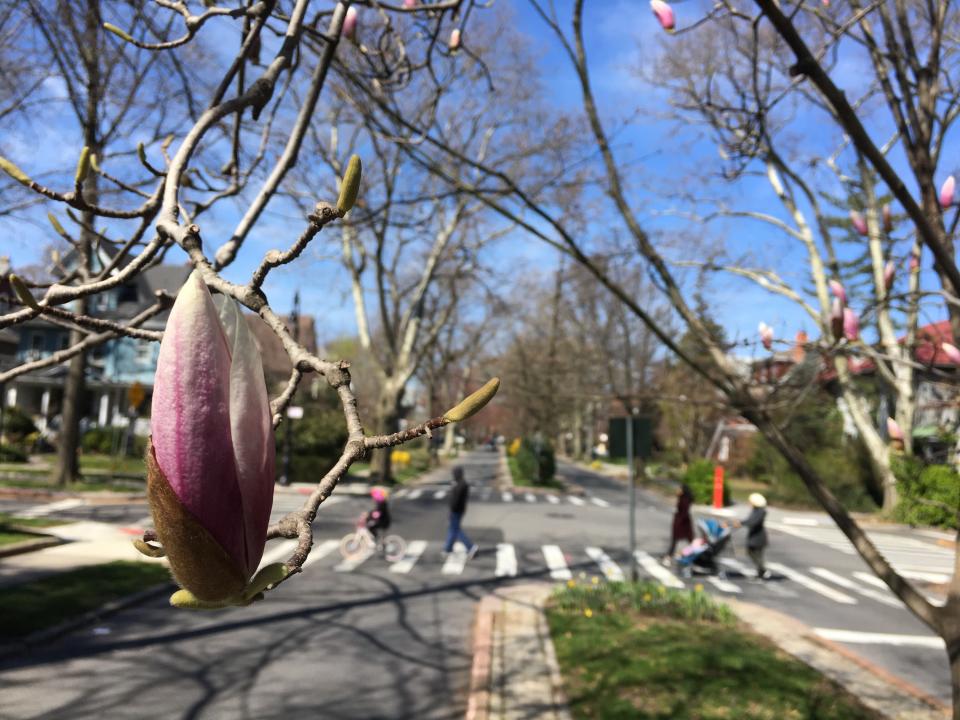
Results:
<point x="68" y="468"/>
<point x="388" y="422"/>
<point x="953" y="655"/>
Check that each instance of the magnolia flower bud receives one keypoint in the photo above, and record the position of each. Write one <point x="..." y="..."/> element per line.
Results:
<point x="851" y="325"/>
<point x="83" y="165"/>
<point x="952" y="353"/>
<point x="859" y="224"/>
<point x="893" y="430"/>
<point x="350" y="24"/>
<point x="888" y="271"/>
<point x="409" y="4"/>
<point x="664" y="14"/>
<point x="914" y="262"/>
<point x="23" y="292"/>
<point x="766" y="335"/>
<point x="887" y="219"/>
<point x="838" y="292"/>
<point x="473" y="403"/>
<point x="836" y="318"/>
<point x="350" y="185"/>
<point x="454" y="43"/>
<point x="946" y="192"/>
<point x="210" y="461"/>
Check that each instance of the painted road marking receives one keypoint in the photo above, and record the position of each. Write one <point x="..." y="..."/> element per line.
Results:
<point x="46" y="509"/>
<point x="455" y="561"/>
<point x="738" y="566"/>
<point x="439" y="494"/>
<point x="724" y="585"/>
<point x="506" y="560"/>
<point x="809" y="522"/>
<point x="414" y="494"/>
<point x="811" y="584"/>
<point x="556" y="562"/>
<point x="278" y="551"/>
<point x="599" y="502"/>
<point x="877" y="582"/>
<point x="349" y="564"/>
<point x="927" y="577"/>
<point x="868" y="638"/>
<point x="553" y="499"/>
<point x="849" y="585"/>
<point x="529" y="497"/>
<point x="608" y="567"/>
<point x="575" y="500"/>
<point x="414" y="550"/>
<point x="321" y="551"/>
<point x="654" y="568"/>
<point x="401" y="493"/>
<point x="506" y="497"/>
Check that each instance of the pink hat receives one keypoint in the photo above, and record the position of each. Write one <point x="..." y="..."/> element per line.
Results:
<point x="378" y="494"/>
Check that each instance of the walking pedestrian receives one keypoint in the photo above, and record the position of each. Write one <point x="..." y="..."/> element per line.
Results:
<point x="458" y="506"/>
<point x="682" y="528"/>
<point x="756" y="535"/>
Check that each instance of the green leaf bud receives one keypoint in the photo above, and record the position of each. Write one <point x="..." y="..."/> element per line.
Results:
<point x="473" y="403"/>
<point x="118" y="32"/>
<point x="350" y="185"/>
<point x="13" y="171"/>
<point x="26" y="297"/>
<point x="83" y="165"/>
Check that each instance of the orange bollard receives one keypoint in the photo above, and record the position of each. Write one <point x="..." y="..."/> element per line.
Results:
<point x="718" y="486"/>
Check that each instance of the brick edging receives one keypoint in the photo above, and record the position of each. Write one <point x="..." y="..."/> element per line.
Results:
<point x="478" y="698"/>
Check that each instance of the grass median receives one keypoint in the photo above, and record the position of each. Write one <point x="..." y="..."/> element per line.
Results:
<point x="644" y="652"/>
<point x="37" y="605"/>
<point x="12" y="528"/>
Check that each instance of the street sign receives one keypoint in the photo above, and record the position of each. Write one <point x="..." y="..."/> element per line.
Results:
<point x="136" y="395"/>
<point x="642" y="437"/>
<point x="295" y="412"/>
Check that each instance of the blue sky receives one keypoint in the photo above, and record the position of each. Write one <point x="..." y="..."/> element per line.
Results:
<point x="670" y="162"/>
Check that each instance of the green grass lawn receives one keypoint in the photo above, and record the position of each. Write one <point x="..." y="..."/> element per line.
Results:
<point x="10" y="528"/>
<point x="641" y="652"/>
<point x="43" y="603"/>
<point x="11" y="537"/>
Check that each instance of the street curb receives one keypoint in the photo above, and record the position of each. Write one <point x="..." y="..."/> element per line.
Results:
<point x="42" y="637"/>
<point x="790" y="636"/>
<point x="42" y="542"/>
<point x="489" y="680"/>
<point x="103" y="498"/>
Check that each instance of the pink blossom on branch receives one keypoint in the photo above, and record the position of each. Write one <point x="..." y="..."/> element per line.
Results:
<point x="888" y="272"/>
<point x="851" y="325"/>
<point x="893" y="430"/>
<point x="766" y="335"/>
<point x="946" y="192"/>
<point x="859" y="224"/>
<point x="838" y="292"/>
<point x="211" y="455"/>
<point x="952" y="353"/>
<point x="887" y="219"/>
<point x="914" y="262"/>
<point x="350" y="24"/>
<point x="664" y="14"/>
<point x="836" y="318"/>
<point x="454" y="43"/>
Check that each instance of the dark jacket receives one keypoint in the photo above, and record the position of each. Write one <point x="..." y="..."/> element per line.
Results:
<point x="382" y="520"/>
<point x="682" y="524"/>
<point x="756" y="535"/>
<point x="458" y="498"/>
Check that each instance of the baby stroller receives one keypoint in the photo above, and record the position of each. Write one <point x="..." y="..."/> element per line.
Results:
<point x="701" y="555"/>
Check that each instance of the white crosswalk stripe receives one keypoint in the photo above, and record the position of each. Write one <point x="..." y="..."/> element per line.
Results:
<point x="553" y="499"/>
<point x="723" y="585"/>
<point x="811" y="584"/>
<point x="402" y="492"/>
<point x="414" y="494"/>
<point x="321" y="551"/>
<point x="853" y="637"/>
<point x="275" y="552"/>
<point x="506" y="497"/>
<point x="47" y="508"/>
<point x="575" y="500"/>
<point x="530" y="497"/>
<point x="506" y="560"/>
<point x="871" y="579"/>
<point x="599" y="502"/>
<point x="349" y="564"/>
<point x="439" y="494"/>
<point x="405" y="564"/>
<point x="843" y="582"/>
<point x="608" y="567"/>
<point x="556" y="562"/>
<point x="658" y="571"/>
<point x="455" y="561"/>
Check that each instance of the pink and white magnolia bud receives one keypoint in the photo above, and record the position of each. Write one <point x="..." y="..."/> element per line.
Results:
<point x="855" y="365"/>
<point x="838" y="292"/>
<point x="409" y="4"/>
<point x="887" y="219"/>
<point x="836" y="318"/>
<point x="454" y="43"/>
<point x="851" y="325"/>
<point x="664" y="14"/>
<point x="946" y="192"/>
<point x="893" y="430"/>
<point x="350" y="24"/>
<point x="210" y="461"/>
<point x="766" y="335"/>
<point x="952" y="353"/>
<point x="859" y="224"/>
<point x="888" y="272"/>
<point x="914" y="262"/>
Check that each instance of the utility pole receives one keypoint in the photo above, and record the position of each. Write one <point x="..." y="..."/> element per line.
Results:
<point x="633" y="495"/>
<point x="288" y="430"/>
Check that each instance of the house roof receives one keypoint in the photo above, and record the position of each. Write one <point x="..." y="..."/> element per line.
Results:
<point x="276" y="363"/>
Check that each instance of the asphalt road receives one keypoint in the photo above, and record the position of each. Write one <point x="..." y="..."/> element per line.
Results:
<point x="382" y="641"/>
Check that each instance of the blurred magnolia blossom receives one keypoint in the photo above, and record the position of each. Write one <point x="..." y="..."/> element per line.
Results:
<point x="350" y="24"/>
<point x="836" y="318"/>
<point x="888" y="273"/>
<point x="838" y="292"/>
<point x="893" y="430"/>
<point x="851" y="325"/>
<point x="887" y="218"/>
<point x="454" y="43"/>
<point x="859" y="224"/>
<point x="952" y="352"/>
<point x="664" y="14"/>
<point x="766" y="335"/>
<point x="946" y="192"/>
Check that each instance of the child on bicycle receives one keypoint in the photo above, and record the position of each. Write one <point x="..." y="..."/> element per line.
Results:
<point x="378" y="519"/>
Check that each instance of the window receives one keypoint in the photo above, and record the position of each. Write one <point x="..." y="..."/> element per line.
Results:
<point x="144" y="352"/>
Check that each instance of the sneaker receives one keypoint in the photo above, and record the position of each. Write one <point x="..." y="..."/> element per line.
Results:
<point x="473" y="551"/>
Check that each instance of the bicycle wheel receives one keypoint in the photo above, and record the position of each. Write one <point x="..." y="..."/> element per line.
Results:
<point x="351" y="544"/>
<point x="394" y="548"/>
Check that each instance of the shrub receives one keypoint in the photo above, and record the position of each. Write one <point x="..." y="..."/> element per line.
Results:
<point x="536" y="468"/>
<point x="699" y="478"/>
<point x="12" y="454"/>
<point x="17" y="424"/>
<point x="98" y="440"/>
<point x="929" y="495"/>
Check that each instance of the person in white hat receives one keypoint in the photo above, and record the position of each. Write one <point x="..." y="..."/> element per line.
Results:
<point x="756" y="535"/>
